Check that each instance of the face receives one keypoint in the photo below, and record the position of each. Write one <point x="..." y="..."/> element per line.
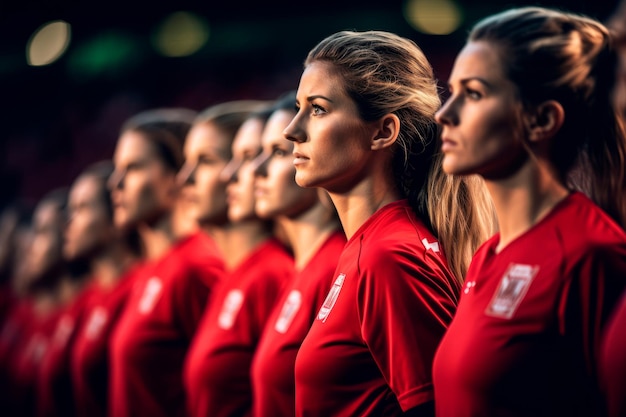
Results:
<point x="239" y="172"/>
<point x="332" y="144"/>
<point x="481" y="118"/>
<point x="46" y="246"/>
<point x="276" y="191"/>
<point x="143" y="189"/>
<point x="89" y="228"/>
<point x="207" y="151"/>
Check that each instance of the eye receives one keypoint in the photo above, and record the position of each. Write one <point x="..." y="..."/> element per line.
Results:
<point x="279" y="152"/>
<point x="473" y="94"/>
<point x="317" y="109"/>
<point x="205" y="160"/>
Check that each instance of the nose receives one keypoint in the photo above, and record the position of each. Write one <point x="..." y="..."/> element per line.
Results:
<point x="229" y="173"/>
<point x="186" y="175"/>
<point x="294" y="131"/>
<point x="447" y="114"/>
<point x="116" y="180"/>
<point x="259" y="164"/>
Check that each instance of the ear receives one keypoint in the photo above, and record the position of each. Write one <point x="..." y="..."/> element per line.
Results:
<point x="546" y="121"/>
<point x="386" y="133"/>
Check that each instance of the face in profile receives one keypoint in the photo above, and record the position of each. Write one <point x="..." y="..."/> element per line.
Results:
<point x="142" y="187"/>
<point x="276" y="191"/>
<point x="89" y="227"/>
<point x="207" y="152"/>
<point x="332" y="144"/>
<point x="46" y="245"/>
<point x="481" y="118"/>
<point x="239" y="173"/>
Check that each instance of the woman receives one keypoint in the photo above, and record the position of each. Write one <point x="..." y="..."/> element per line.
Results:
<point x="365" y="132"/>
<point x="313" y="232"/>
<point x="154" y="331"/>
<point x="217" y="369"/>
<point x="113" y="263"/>
<point x="531" y="97"/>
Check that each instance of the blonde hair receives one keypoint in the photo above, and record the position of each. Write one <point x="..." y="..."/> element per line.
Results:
<point x="385" y="73"/>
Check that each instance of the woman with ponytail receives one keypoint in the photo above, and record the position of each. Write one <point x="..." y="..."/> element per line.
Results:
<point x="530" y="111"/>
<point x="365" y="132"/>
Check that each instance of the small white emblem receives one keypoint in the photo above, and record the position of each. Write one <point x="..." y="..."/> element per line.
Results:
<point x="288" y="312"/>
<point x="434" y="246"/>
<point x="230" y="309"/>
<point x="512" y="288"/>
<point x="97" y="320"/>
<point x="331" y="298"/>
<point x="150" y="295"/>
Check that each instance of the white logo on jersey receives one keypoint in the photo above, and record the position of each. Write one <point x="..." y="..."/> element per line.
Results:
<point x="331" y="298"/>
<point x="290" y="308"/>
<point x="97" y="320"/>
<point x="512" y="288"/>
<point x="428" y="245"/>
<point x="150" y="295"/>
<point x="63" y="330"/>
<point x="230" y="309"/>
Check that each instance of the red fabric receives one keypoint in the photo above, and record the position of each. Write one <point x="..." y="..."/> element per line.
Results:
<point x="217" y="370"/>
<point x="55" y="396"/>
<point x="369" y="351"/>
<point x="525" y="337"/>
<point x="89" y="362"/>
<point x="273" y="366"/>
<point x="613" y="361"/>
<point x="152" y="337"/>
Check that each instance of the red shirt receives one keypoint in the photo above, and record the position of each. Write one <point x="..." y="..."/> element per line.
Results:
<point x="273" y="365"/>
<point x="525" y="336"/>
<point x="613" y="361"/>
<point x="26" y="361"/>
<point x="89" y="362"/>
<point x="217" y="369"/>
<point x="54" y="385"/>
<point x="152" y="337"/>
<point x="370" y="349"/>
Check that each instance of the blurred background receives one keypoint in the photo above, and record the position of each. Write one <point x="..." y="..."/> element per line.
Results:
<point x="71" y="72"/>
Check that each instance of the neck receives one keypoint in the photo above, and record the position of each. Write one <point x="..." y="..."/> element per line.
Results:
<point x="308" y="231"/>
<point x="109" y="267"/>
<point x="357" y="205"/>
<point x="157" y="239"/>
<point x="237" y="240"/>
<point x="524" y="199"/>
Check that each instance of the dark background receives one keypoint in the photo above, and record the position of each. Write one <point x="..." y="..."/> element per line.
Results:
<point x="58" y="118"/>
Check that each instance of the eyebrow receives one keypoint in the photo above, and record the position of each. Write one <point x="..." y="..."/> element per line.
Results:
<point x="313" y="97"/>
<point x="487" y="84"/>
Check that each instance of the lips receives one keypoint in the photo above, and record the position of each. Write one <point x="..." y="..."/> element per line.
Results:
<point x="299" y="158"/>
<point x="447" y="144"/>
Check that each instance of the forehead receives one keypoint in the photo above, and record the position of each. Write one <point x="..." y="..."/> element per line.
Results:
<point x="320" y="77"/>
<point x="46" y="213"/>
<point x="249" y="135"/>
<point x="275" y="126"/>
<point x="478" y="59"/>
<point x="206" y="136"/>
<point x="86" y="188"/>
<point x="133" y="145"/>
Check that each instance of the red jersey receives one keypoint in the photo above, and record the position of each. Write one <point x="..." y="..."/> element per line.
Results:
<point x="151" y="339"/>
<point x="369" y="351"/>
<point x="217" y="369"/>
<point x="54" y="386"/>
<point x="526" y="333"/>
<point x="273" y="365"/>
<point x="89" y="361"/>
<point x="613" y="361"/>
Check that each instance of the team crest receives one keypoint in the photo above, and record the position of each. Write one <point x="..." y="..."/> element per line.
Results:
<point x="230" y="309"/>
<point x="331" y="298"/>
<point x="512" y="288"/>
<point x="288" y="312"/>
<point x="97" y="320"/>
<point x="150" y="295"/>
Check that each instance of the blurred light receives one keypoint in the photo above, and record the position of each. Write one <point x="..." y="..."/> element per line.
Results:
<point x="181" y="34"/>
<point x="433" y="17"/>
<point x="110" y="54"/>
<point x="48" y="43"/>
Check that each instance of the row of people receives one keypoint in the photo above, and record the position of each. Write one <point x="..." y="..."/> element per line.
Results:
<point x="343" y="259"/>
